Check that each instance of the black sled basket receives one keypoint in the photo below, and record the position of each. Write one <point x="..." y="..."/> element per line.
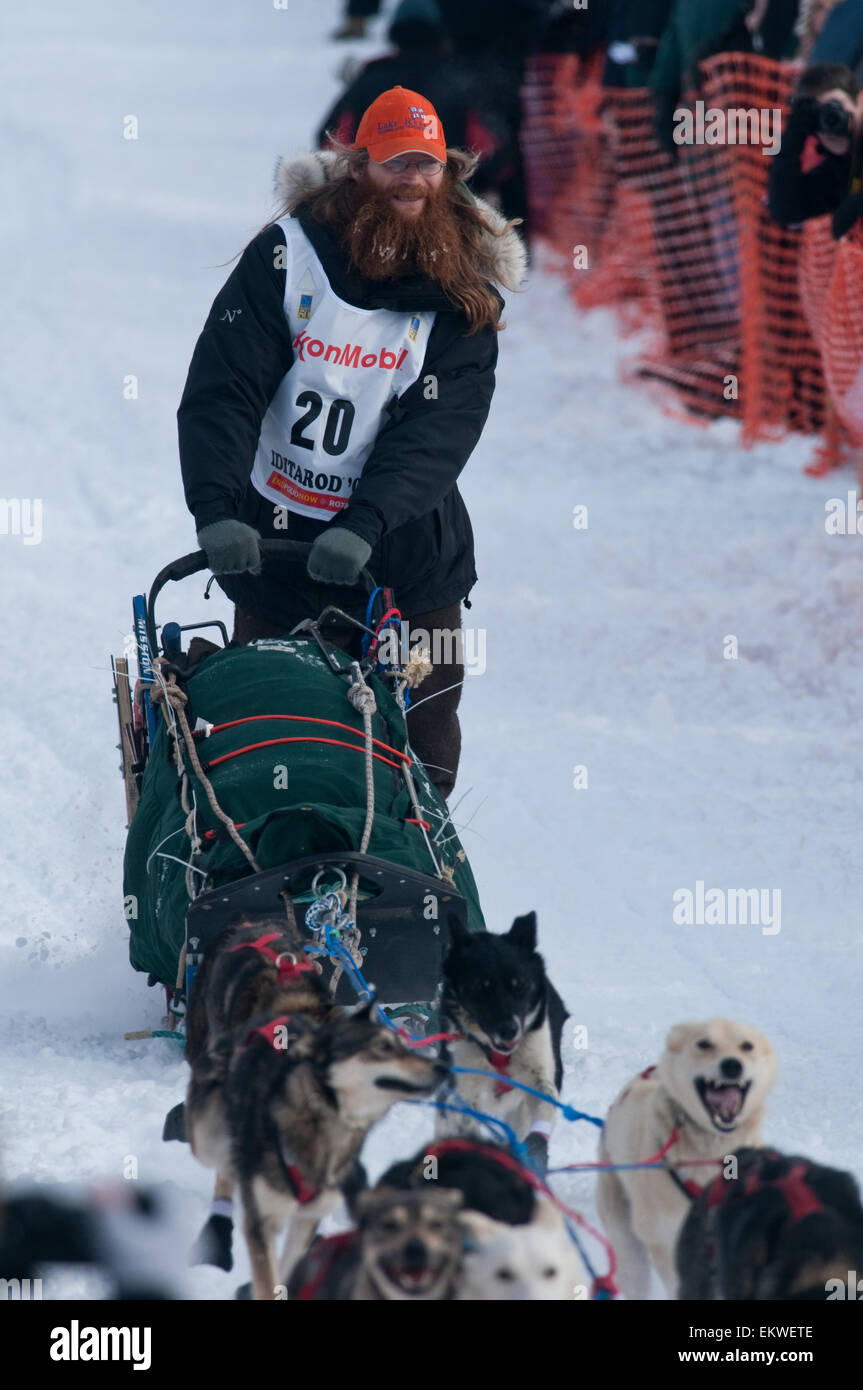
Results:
<point x="402" y="916"/>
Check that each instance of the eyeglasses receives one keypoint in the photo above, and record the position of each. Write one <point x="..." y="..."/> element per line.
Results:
<point x="429" y="168"/>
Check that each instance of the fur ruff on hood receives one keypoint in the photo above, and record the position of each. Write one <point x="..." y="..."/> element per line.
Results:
<point x="299" y="175"/>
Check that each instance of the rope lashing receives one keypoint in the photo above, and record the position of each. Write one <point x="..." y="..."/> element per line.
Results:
<point x="413" y="1041"/>
<point x="188" y="801"/>
<point x="213" y="729"/>
<point x="362" y="697"/>
<point x="142" y="1033"/>
<point x="392" y="615"/>
<point x="492" y="1122"/>
<point x="442" y="870"/>
<point x="177" y="699"/>
<point x="416" y="668"/>
<point x="306" y="738"/>
<point x="655" y="1160"/>
<point x="568" y="1112"/>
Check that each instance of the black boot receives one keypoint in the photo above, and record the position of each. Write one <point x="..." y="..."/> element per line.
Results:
<point x="354" y="27"/>
<point x="175" y="1124"/>
<point x="213" y="1246"/>
<point x="537" y="1153"/>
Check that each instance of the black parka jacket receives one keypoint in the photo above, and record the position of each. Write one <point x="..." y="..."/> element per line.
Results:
<point x="407" y="504"/>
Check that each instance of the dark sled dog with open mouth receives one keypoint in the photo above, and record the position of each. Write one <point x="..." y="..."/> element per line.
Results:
<point x="782" y="1228"/>
<point x="509" y="1017"/>
<point x="255" y="966"/>
<point x="282" y="1108"/>
<point x="407" y="1247"/>
<point x="708" y="1094"/>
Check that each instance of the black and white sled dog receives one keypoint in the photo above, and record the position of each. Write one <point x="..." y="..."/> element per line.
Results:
<point x="282" y="1108"/>
<point x="496" y="996"/>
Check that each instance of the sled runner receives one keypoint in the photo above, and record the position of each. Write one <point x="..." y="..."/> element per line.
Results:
<point x="267" y="771"/>
<point x="130" y="752"/>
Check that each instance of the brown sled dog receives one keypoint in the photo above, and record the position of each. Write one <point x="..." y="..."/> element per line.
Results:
<point x="407" y="1247"/>
<point x="283" y="1107"/>
<point x="256" y="966"/>
<point x="284" y="1088"/>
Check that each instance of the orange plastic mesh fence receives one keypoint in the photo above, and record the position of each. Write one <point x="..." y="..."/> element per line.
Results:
<point x="839" y="328"/>
<point x="748" y="317"/>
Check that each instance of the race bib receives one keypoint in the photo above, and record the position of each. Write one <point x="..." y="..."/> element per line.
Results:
<point x="348" y="366"/>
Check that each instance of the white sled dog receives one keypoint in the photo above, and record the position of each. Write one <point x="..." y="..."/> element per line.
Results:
<point x="533" y="1262"/>
<point x="710" y="1086"/>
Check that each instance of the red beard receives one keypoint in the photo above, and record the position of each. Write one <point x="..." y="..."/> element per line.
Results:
<point x="383" y="245"/>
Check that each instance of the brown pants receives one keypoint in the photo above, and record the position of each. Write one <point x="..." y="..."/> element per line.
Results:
<point x="432" y="719"/>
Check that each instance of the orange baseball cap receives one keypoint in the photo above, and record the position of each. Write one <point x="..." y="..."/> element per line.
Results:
<point x="399" y="121"/>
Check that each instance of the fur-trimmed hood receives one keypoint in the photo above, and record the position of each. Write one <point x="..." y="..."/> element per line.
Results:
<point x="297" y="176"/>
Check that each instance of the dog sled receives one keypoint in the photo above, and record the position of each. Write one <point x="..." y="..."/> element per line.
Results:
<point x="279" y="775"/>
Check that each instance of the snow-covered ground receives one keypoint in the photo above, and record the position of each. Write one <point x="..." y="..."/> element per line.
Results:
<point x="605" y="646"/>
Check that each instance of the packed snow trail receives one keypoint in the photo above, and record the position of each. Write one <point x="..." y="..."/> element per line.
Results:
<point x="603" y="646"/>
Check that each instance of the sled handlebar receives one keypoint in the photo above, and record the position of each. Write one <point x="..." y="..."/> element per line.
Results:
<point x="196" y="561"/>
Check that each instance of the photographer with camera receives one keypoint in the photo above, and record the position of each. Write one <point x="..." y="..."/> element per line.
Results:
<point x="818" y="167"/>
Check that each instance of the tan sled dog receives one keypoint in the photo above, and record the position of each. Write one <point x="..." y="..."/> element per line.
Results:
<point x="710" y="1086"/>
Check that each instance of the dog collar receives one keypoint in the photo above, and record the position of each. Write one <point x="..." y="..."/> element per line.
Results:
<point x="500" y="1061"/>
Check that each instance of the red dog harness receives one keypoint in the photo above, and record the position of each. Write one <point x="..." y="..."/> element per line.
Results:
<point x="799" y="1198"/>
<point x="321" y="1259"/>
<point x="302" y="1190"/>
<point x="268" y="1032"/>
<point x="642" y="1076"/>
<point x="688" y="1186"/>
<point x="286" y="964"/>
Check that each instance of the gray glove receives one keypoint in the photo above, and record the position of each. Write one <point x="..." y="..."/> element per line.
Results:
<point x="337" y="556"/>
<point x="231" y="547"/>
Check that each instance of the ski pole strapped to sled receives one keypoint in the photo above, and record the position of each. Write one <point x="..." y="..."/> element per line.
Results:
<point x="293" y="767"/>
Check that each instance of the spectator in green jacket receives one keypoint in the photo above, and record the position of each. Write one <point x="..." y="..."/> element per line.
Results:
<point x="696" y="30"/>
<point x="635" y="30"/>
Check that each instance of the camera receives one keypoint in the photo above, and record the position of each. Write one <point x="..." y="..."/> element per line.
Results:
<point x="833" y="118"/>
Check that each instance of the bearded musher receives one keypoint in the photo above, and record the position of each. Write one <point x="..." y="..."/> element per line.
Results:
<point x="340" y="384"/>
